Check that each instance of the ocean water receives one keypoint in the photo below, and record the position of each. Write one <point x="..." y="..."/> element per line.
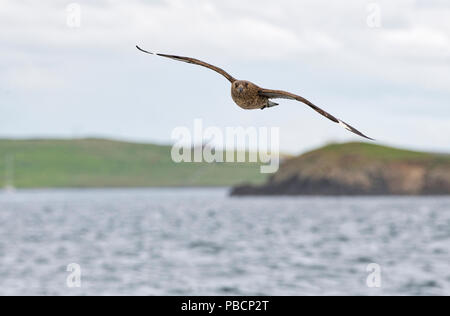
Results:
<point x="202" y="242"/>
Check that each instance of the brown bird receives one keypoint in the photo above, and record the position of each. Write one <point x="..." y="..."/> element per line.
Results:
<point x="249" y="96"/>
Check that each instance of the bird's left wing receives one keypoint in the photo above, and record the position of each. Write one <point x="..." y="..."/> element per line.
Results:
<point x="193" y="61"/>
<point x="279" y="94"/>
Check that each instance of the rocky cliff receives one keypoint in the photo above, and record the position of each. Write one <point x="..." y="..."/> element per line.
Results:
<point x="358" y="169"/>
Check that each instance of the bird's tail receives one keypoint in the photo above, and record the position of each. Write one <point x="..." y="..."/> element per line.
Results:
<point x="271" y="103"/>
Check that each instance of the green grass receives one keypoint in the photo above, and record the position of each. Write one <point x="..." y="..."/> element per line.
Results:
<point x="104" y="163"/>
<point x="371" y="151"/>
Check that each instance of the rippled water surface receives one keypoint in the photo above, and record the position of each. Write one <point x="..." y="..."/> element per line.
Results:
<point x="201" y="242"/>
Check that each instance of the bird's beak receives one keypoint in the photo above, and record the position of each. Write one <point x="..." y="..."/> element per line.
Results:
<point x="241" y="89"/>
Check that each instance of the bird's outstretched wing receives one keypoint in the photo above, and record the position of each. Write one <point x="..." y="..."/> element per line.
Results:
<point x="193" y="61"/>
<point x="279" y="94"/>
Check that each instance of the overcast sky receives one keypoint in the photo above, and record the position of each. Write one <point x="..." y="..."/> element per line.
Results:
<point x="388" y="74"/>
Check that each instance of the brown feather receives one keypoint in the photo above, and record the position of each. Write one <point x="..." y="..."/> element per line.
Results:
<point x="193" y="61"/>
<point x="279" y="94"/>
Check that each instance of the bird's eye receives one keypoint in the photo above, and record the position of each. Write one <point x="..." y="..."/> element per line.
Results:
<point x="236" y="84"/>
<point x="246" y="84"/>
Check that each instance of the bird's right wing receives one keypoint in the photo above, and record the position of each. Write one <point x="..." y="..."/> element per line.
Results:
<point x="279" y="94"/>
<point x="193" y="61"/>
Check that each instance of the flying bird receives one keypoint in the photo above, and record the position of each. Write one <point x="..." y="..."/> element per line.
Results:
<point x="249" y="96"/>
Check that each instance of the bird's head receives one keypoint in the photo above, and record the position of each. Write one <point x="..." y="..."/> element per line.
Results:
<point x="241" y="87"/>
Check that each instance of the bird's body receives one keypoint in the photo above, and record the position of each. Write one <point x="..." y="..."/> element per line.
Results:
<point x="245" y="94"/>
<point x="249" y="96"/>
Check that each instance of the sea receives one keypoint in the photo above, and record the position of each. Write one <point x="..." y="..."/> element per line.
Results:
<point x="201" y="241"/>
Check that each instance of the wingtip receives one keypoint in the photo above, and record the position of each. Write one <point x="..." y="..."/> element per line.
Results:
<point x="143" y="50"/>
<point x="361" y="134"/>
<point x="369" y="138"/>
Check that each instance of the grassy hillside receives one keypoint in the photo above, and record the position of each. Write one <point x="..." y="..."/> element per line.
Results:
<point x="103" y="163"/>
<point x="358" y="169"/>
<point x="375" y="152"/>
<point x="352" y="157"/>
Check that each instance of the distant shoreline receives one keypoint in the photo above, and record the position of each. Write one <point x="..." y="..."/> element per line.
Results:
<point x="97" y="163"/>
<point x="357" y="169"/>
<point x="226" y="189"/>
